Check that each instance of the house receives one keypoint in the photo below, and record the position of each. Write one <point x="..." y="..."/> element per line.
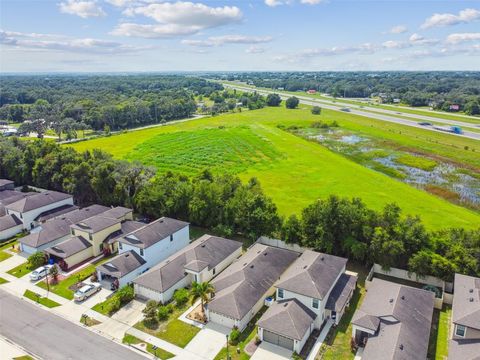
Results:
<point x="10" y="196"/>
<point x="10" y="225"/>
<point x="314" y="288"/>
<point x="28" y="208"/>
<point x="465" y="338"/>
<point x="143" y="248"/>
<point x="311" y="91"/>
<point x="241" y="289"/>
<point x="56" y="230"/>
<point x="200" y="261"/>
<point x="6" y="184"/>
<point x="57" y="212"/>
<point x="393" y="322"/>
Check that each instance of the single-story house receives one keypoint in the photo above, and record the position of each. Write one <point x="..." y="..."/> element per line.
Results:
<point x="465" y="335"/>
<point x="313" y="280"/>
<point x="153" y="242"/>
<point x="240" y="290"/>
<point x="200" y="261"/>
<point x="10" y="225"/>
<point x="393" y="322"/>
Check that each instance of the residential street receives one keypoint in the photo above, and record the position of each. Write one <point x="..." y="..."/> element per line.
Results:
<point x="51" y="337"/>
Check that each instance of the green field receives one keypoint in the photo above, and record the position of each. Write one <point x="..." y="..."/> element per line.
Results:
<point x="292" y="170"/>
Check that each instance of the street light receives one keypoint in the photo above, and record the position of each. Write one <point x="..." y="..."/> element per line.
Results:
<point x="228" y="355"/>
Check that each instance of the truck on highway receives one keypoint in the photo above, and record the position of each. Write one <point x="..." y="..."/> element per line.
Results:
<point x="450" y="129"/>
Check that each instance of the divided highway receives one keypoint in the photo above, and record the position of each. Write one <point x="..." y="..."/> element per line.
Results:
<point x="372" y="112"/>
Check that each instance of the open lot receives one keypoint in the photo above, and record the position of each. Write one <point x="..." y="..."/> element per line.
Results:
<point x="299" y="171"/>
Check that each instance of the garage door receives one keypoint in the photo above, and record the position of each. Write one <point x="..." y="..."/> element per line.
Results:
<point x="279" y="340"/>
<point x="221" y="320"/>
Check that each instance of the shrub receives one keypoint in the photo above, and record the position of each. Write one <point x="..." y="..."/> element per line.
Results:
<point x="181" y="297"/>
<point x="170" y="307"/>
<point x="150" y="312"/>
<point x="113" y="305"/>
<point x="234" y="336"/>
<point x="292" y="102"/>
<point x="163" y="313"/>
<point x="125" y="294"/>
<point x="316" y="110"/>
<point x="36" y="260"/>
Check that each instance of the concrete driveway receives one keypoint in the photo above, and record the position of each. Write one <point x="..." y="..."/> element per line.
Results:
<point x="131" y="313"/>
<point x="209" y="341"/>
<point x="267" y="351"/>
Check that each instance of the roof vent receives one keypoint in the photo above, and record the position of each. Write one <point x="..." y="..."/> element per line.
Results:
<point x="471" y="299"/>
<point x="470" y="291"/>
<point x="285" y="305"/>
<point x="391" y="301"/>
<point x="265" y="254"/>
<point x="245" y="264"/>
<point x="251" y="266"/>
<point x="403" y="297"/>
<point x="401" y="346"/>
<point x="322" y="258"/>
<point x="305" y="266"/>
<point x="203" y="245"/>
<point x="127" y="255"/>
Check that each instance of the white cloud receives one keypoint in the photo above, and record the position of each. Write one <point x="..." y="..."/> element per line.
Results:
<point x="255" y="50"/>
<point x="228" y="39"/>
<point x="392" y="44"/>
<point x="462" y="37"/>
<point x="399" y="29"/>
<point x="176" y="19"/>
<point x="366" y="48"/>
<point x="464" y="16"/>
<point x="84" y="9"/>
<point x="61" y="43"/>
<point x="417" y="39"/>
<point x="274" y="3"/>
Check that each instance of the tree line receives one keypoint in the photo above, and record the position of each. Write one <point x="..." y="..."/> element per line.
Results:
<point x="222" y="203"/>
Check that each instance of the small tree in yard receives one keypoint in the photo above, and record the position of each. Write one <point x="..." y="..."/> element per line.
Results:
<point x="150" y="313"/>
<point x="292" y="102"/>
<point x="316" y="110"/>
<point x="181" y="297"/>
<point x="202" y="291"/>
<point x="163" y="313"/>
<point x="54" y="274"/>
<point x="36" y="260"/>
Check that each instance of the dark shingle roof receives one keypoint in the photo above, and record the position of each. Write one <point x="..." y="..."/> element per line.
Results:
<point x="95" y="223"/>
<point x="154" y="232"/>
<point x="84" y="213"/>
<point x="126" y="228"/>
<point x="242" y="284"/>
<point x="289" y="318"/>
<point x="466" y="301"/>
<point x="5" y="194"/>
<point x="468" y="349"/>
<point x="50" y="214"/>
<point x="404" y="316"/>
<point x="208" y="251"/>
<point x="117" y="212"/>
<point x="37" y="201"/>
<point x="312" y="274"/>
<point x="8" y="222"/>
<point x="10" y="198"/>
<point x="69" y="247"/>
<point x="47" y="232"/>
<point x="122" y="264"/>
<point x="341" y="292"/>
<point x="5" y="182"/>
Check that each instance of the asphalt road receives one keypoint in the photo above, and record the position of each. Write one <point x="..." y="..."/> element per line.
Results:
<point x="378" y="114"/>
<point x="50" y="337"/>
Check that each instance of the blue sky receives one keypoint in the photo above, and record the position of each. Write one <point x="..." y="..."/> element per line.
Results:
<point x="156" y="35"/>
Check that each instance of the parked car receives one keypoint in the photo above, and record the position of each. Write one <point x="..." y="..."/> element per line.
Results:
<point x="40" y="272"/>
<point x="86" y="291"/>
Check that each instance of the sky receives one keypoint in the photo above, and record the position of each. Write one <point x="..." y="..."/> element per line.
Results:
<point x="224" y="35"/>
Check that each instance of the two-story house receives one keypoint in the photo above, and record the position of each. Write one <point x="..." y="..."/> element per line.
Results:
<point x="314" y="288"/>
<point x="144" y="248"/>
<point x="465" y="337"/>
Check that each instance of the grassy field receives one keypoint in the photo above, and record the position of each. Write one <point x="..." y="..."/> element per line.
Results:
<point x="42" y="300"/>
<point x="295" y="171"/>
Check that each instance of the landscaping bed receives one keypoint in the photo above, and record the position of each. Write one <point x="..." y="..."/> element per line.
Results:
<point x="159" y="353"/>
<point x="42" y="300"/>
<point x="116" y="301"/>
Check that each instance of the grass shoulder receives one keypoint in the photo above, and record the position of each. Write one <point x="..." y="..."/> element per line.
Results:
<point x="40" y="300"/>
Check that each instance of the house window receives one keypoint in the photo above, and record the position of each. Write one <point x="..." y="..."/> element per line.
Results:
<point x="141" y="252"/>
<point x="120" y="246"/>
<point x="460" y="330"/>
<point x="315" y="303"/>
<point x="171" y="237"/>
<point x="90" y="237"/>
<point x="280" y="293"/>
<point x="213" y="271"/>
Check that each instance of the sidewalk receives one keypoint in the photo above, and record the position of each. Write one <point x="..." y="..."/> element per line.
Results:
<point x="320" y="340"/>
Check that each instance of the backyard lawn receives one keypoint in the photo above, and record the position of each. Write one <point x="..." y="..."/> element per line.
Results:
<point x="42" y="300"/>
<point x="20" y="270"/>
<point x="159" y="353"/>
<point x="442" y="334"/>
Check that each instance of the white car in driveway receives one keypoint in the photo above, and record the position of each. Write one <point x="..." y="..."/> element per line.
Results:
<point x="86" y="291"/>
<point x="40" y="272"/>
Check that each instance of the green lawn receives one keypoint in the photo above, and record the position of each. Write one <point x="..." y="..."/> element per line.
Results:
<point x="24" y="357"/>
<point x="44" y="301"/>
<point x="4" y="255"/>
<point x="295" y="171"/>
<point x="159" y="353"/>
<point x="20" y="270"/>
<point x="3" y="281"/>
<point x="443" y="332"/>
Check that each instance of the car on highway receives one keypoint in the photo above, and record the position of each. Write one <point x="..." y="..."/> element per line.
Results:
<point x="425" y="123"/>
<point x="345" y="109"/>
<point x="40" y="272"/>
<point x="86" y="291"/>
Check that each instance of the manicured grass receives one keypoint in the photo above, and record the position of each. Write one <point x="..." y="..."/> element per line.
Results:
<point x="301" y="171"/>
<point x="9" y="243"/>
<point x="4" y="255"/>
<point x="44" y="301"/>
<point x="3" y="281"/>
<point x="416" y="162"/>
<point x="442" y="334"/>
<point x="24" y="357"/>
<point x="159" y="353"/>
<point x="20" y="270"/>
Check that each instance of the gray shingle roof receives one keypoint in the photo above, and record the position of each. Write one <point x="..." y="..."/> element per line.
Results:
<point x="207" y="250"/>
<point x="466" y="301"/>
<point x="154" y="232"/>
<point x="38" y="200"/>
<point x="95" y="223"/>
<point x="47" y="232"/>
<point x="313" y="274"/>
<point x="5" y="183"/>
<point x="242" y="284"/>
<point x="125" y="228"/>
<point x="10" y="198"/>
<point x="289" y="318"/>
<point x="122" y="264"/>
<point x="69" y="247"/>
<point x="8" y="222"/>
<point x="5" y="194"/>
<point x="50" y="214"/>
<point x="407" y="335"/>
<point x="117" y="212"/>
<point x="468" y="349"/>
<point x="84" y="213"/>
<point x="341" y="292"/>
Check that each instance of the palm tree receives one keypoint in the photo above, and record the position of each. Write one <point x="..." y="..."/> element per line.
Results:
<point x="202" y="291"/>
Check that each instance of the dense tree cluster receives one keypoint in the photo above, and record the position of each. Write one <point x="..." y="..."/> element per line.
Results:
<point x="118" y="102"/>
<point x="441" y="89"/>
<point x="344" y="227"/>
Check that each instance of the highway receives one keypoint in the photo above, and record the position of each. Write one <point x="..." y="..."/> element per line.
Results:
<point x="50" y="337"/>
<point x="372" y="112"/>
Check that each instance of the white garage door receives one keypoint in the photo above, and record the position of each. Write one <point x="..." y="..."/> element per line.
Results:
<point x="279" y="340"/>
<point x="147" y="293"/>
<point x="220" y="319"/>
